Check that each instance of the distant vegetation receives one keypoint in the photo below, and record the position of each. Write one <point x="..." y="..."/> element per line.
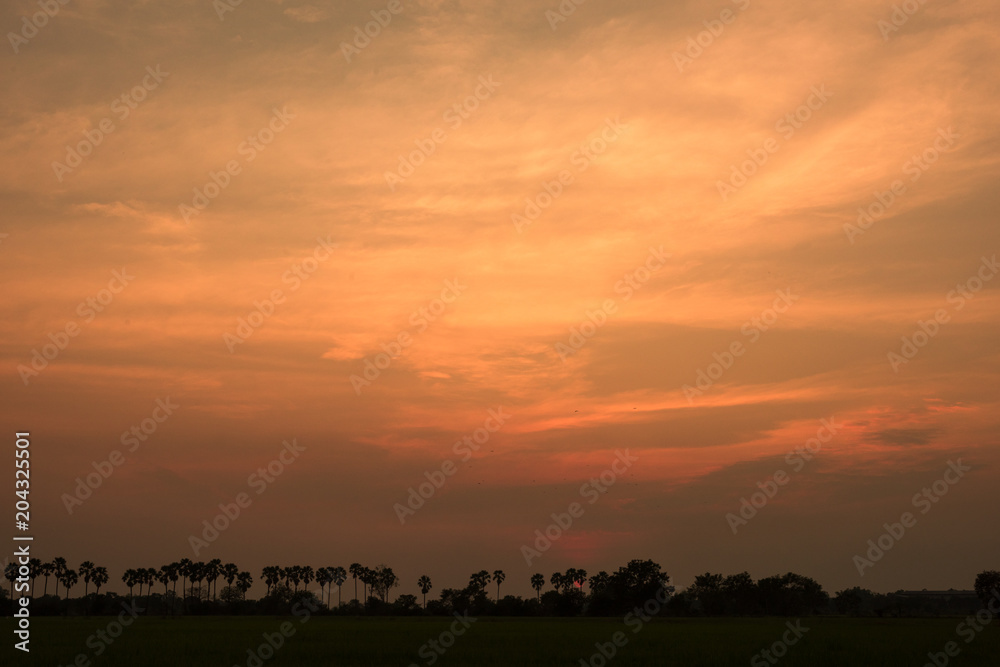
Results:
<point x="571" y="593"/>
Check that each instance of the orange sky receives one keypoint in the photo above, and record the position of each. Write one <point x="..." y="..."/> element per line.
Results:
<point x="597" y="111"/>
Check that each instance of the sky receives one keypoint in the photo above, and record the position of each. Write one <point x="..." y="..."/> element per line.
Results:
<point x="738" y="247"/>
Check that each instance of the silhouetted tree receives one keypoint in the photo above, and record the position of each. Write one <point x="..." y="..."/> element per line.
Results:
<point x="47" y="570"/>
<point x="213" y="570"/>
<point x="34" y="569"/>
<point x="244" y="580"/>
<point x="323" y="577"/>
<point x="271" y="576"/>
<point x="339" y="576"/>
<point x="987" y="585"/>
<point x="129" y="579"/>
<point x="598" y="581"/>
<point x="424" y="582"/>
<point x="498" y="577"/>
<point x="741" y="593"/>
<point x="383" y="580"/>
<point x="538" y="583"/>
<point x="307" y="575"/>
<point x="479" y="580"/>
<point x="163" y="576"/>
<point x="58" y="569"/>
<point x="355" y="570"/>
<point x="69" y="579"/>
<point x="86" y="569"/>
<point x="184" y="569"/>
<point x="230" y="572"/>
<point x="99" y="577"/>
<point x="791" y="595"/>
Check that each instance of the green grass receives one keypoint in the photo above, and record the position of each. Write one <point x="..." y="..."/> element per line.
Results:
<point x="223" y="642"/>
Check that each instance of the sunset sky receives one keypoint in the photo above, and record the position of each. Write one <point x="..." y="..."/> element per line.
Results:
<point x="635" y="115"/>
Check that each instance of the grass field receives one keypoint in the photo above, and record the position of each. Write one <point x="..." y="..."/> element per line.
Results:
<point x="225" y="641"/>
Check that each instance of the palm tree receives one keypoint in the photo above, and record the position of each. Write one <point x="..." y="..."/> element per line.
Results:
<point x="47" y="570"/>
<point x="230" y="572"/>
<point x="307" y="575"/>
<point x="163" y="576"/>
<point x="339" y="576"/>
<point x="129" y="580"/>
<point x="10" y="574"/>
<point x="172" y="571"/>
<point x="100" y="577"/>
<point x="149" y="575"/>
<point x="355" y="570"/>
<point x="271" y="576"/>
<point x="86" y="570"/>
<point x="538" y="582"/>
<point x="599" y="581"/>
<point x="184" y="569"/>
<point x="479" y="580"/>
<point x="213" y="570"/>
<point x="34" y="569"/>
<point x="498" y="577"/>
<point x="369" y="581"/>
<point x="578" y="577"/>
<point x="197" y="573"/>
<point x="244" y="580"/>
<point x="69" y="579"/>
<point x="322" y="578"/>
<point x="424" y="582"/>
<point x="58" y="568"/>
<point x="294" y="574"/>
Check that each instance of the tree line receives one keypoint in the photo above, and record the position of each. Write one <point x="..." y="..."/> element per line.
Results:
<point x="573" y="592"/>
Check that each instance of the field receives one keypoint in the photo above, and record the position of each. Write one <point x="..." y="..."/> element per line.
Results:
<point x="229" y="641"/>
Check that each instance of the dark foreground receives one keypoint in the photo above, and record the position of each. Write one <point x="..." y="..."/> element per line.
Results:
<point x="229" y="641"/>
